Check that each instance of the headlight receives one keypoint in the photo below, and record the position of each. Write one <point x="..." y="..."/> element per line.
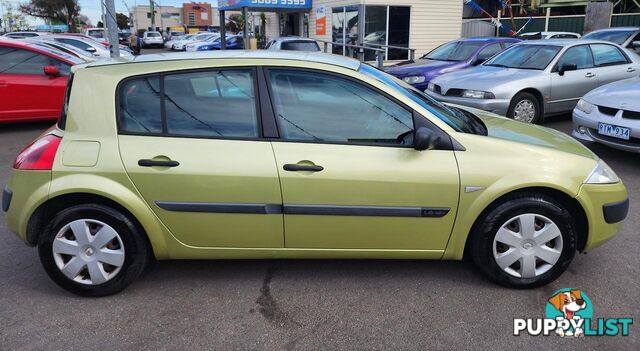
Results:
<point x="476" y="94"/>
<point x="414" y="80"/>
<point x="431" y="87"/>
<point x="602" y="174"/>
<point x="584" y="106"/>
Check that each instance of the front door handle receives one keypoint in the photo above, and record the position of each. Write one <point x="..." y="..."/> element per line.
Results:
<point x="303" y="168"/>
<point x="631" y="69"/>
<point x="158" y="163"/>
<point x="590" y="75"/>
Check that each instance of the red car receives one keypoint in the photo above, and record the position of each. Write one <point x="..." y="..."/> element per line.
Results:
<point x="33" y="78"/>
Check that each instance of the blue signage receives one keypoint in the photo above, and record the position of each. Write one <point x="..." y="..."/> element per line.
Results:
<point x="231" y="5"/>
<point x="52" y="28"/>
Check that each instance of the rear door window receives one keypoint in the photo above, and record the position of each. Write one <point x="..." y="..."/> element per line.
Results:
<point x="607" y="55"/>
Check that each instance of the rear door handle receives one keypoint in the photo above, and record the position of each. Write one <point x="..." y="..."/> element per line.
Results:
<point x="158" y="163"/>
<point x="590" y="75"/>
<point x="303" y="168"/>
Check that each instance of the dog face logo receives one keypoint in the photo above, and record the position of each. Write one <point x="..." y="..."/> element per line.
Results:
<point x="568" y="302"/>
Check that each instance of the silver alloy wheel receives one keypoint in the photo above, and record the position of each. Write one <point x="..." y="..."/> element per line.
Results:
<point x="527" y="245"/>
<point x="88" y="251"/>
<point x="525" y="111"/>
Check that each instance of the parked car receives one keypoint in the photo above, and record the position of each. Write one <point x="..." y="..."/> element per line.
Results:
<point x="98" y="33"/>
<point x="102" y="42"/>
<point x="22" y="35"/>
<point x="450" y="57"/>
<point x="293" y="44"/>
<point x="548" y="35"/>
<point x="340" y="177"/>
<point x="627" y="37"/>
<point x="534" y="79"/>
<point x="235" y="42"/>
<point x="33" y="78"/>
<point x="93" y="47"/>
<point x="169" y="43"/>
<point x="610" y="115"/>
<point x="175" y="35"/>
<point x="152" y="39"/>
<point x="123" y="38"/>
<point x="67" y="49"/>
<point x="180" y="45"/>
<point x="195" y="45"/>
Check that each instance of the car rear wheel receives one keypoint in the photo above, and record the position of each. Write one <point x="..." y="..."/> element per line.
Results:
<point x="92" y="250"/>
<point x="524" y="242"/>
<point x="525" y="107"/>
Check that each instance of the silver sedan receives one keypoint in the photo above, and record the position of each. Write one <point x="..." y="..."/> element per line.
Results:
<point x="534" y="79"/>
<point x="610" y="115"/>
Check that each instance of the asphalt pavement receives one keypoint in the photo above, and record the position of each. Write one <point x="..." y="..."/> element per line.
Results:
<point x="304" y="305"/>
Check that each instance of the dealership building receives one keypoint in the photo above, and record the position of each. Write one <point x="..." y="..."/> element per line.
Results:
<point x="421" y="25"/>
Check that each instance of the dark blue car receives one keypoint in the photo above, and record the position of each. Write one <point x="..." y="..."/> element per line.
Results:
<point x="452" y="56"/>
<point x="234" y="42"/>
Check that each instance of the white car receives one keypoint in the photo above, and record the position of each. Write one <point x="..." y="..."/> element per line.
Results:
<point x="151" y="39"/>
<point x="98" y="33"/>
<point x="610" y="115"/>
<point x="197" y="44"/>
<point x="294" y="44"/>
<point x="549" y="35"/>
<point x="169" y="43"/>
<point x="93" y="47"/>
<point x="181" y="44"/>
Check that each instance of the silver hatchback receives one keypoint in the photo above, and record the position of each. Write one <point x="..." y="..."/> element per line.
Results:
<point x="534" y="79"/>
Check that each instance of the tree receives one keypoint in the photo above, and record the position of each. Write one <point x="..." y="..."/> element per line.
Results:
<point x="12" y="20"/>
<point x="235" y="24"/>
<point x="64" y="11"/>
<point x="122" y="20"/>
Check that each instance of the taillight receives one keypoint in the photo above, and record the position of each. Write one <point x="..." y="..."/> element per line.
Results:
<point x="39" y="155"/>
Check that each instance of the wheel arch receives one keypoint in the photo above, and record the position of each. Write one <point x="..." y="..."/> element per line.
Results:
<point x="569" y="202"/>
<point x="535" y="92"/>
<point x="45" y="212"/>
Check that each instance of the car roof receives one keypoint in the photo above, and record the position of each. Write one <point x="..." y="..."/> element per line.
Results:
<point x="281" y="39"/>
<point x="488" y="39"/>
<point x="330" y="59"/>
<point x="548" y="33"/>
<point x="563" y="42"/>
<point x="616" y="29"/>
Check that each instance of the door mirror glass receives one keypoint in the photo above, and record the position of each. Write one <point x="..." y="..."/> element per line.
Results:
<point x="90" y="49"/>
<point x="425" y="139"/>
<point x="51" y="71"/>
<point x="567" y="67"/>
<point x="635" y="44"/>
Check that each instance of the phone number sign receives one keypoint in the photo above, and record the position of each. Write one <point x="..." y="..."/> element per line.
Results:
<point x="226" y="5"/>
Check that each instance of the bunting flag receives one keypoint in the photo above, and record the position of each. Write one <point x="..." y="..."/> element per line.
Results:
<point x="505" y="5"/>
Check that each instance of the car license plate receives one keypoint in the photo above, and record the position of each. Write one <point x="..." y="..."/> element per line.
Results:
<point x="614" y="131"/>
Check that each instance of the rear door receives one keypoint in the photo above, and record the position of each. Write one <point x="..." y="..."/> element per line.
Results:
<point x="611" y="64"/>
<point x="25" y="91"/>
<point x="568" y="88"/>
<point x="349" y="175"/>
<point x="191" y="143"/>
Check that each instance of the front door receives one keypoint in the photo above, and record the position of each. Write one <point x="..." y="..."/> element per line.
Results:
<point x="568" y="88"/>
<point x="27" y="93"/>
<point x="350" y="178"/>
<point x="197" y="158"/>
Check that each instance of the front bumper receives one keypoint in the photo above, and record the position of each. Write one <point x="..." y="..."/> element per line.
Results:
<point x="589" y="122"/>
<point x="606" y="206"/>
<point x="497" y="106"/>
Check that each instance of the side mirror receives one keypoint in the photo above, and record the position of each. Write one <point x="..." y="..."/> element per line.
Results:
<point x="51" y="71"/>
<point x="424" y="139"/>
<point x="635" y="44"/>
<point x="567" y="67"/>
<point x="479" y="61"/>
<point x="90" y="49"/>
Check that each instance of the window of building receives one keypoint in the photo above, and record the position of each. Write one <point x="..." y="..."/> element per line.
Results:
<point x="192" y="19"/>
<point x="357" y="114"/>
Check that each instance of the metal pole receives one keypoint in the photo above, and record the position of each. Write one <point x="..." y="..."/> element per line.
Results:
<point x="152" y="10"/>
<point x="245" y="30"/>
<point x="112" y="28"/>
<point x="412" y="54"/>
<point x="380" y="59"/>
<point x="223" y="32"/>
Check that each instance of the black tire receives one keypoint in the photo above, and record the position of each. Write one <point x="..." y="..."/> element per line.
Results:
<point x="524" y="96"/>
<point x="137" y="254"/>
<point x="482" y="237"/>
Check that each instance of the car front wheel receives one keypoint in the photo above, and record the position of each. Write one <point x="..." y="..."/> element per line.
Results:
<point x="525" y="108"/>
<point x="92" y="250"/>
<point x="524" y="242"/>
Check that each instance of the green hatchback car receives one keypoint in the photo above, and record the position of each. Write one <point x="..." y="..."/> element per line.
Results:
<point x="261" y="155"/>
